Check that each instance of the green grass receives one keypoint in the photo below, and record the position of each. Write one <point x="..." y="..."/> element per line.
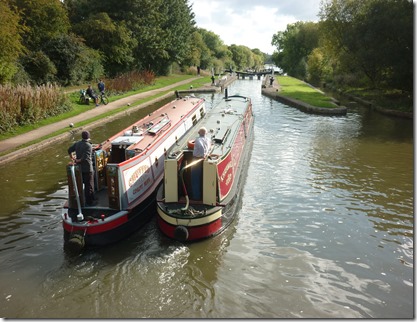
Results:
<point x="296" y="89"/>
<point x="77" y="108"/>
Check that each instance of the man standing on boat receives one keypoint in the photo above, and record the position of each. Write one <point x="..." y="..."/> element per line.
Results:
<point x="201" y="150"/>
<point x="84" y="151"/>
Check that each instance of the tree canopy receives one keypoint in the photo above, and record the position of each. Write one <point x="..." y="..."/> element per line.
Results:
<point x="294" y="45"/>
<point x="74" y="41"/>
<point x="356" y="42"/>
<point x="11" y="39"/>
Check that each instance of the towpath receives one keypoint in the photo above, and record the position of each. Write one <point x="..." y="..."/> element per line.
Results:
<point x="18" y="141"/>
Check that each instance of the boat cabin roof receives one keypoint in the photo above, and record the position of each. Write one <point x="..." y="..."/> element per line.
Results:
<point x="222" y="123"/>
<point x="149" y="130"/>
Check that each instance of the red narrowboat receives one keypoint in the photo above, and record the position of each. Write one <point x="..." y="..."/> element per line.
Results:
<point x="129" y="167"/>
<point x="185" y="215"/>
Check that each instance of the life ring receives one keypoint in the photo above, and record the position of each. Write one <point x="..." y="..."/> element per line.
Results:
<point x="190" y="144"/>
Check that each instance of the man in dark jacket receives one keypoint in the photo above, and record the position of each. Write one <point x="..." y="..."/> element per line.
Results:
<point x="91" y="93"/>
<point x="84" y="151"/>
<point x="101" y="87"/>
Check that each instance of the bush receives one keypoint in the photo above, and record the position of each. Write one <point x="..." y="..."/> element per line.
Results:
<point x="133" y="80"/>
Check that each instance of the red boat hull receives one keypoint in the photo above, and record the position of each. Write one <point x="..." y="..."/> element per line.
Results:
<point x="187" y="233"/>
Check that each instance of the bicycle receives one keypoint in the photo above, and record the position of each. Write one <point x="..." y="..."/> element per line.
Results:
<point x="102" y="98"/>
<point x="84" y="99"/>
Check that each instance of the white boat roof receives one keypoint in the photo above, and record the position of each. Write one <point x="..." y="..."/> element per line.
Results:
<point x="142" y="134"/>
<point x="221" y="122"/>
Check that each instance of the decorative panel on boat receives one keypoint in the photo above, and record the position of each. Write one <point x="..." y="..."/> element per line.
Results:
<point x="171" y="180"/>
<point x="209" y="183"/>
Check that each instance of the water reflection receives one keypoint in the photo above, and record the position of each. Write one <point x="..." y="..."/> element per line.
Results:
<point x="146" y="276"/>
<point x="295" y="284"/>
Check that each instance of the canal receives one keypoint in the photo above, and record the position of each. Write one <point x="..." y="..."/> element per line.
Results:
<point x="324" y="230"/>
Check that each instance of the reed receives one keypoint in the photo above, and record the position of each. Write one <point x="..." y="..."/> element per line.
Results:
<point x="25" y="104"/>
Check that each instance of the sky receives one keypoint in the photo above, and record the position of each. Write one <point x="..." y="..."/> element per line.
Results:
<point x="252" y="23"/>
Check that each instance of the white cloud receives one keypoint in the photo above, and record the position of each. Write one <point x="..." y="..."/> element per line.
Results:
<point x="252" y="23"/>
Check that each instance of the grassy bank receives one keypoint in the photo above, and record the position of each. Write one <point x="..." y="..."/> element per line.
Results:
<point x="387" y="99"/>
<point x="73" y="94"/>
<point x="299" y="90"/>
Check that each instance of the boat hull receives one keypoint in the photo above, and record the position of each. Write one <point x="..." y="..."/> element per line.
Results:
<point x="128" y="170"/>
<point x="212" y="219"/>
<point x="98" y="232"/>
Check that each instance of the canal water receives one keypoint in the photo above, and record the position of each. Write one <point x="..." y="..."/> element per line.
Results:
<point x="324" y="230"/>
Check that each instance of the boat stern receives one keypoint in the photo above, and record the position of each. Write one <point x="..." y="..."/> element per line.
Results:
<point x="194" y="223"/>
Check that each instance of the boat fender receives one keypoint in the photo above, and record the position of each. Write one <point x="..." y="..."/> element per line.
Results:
<point x="191" y="144"/>
<point x="181" y="233"/>
<point x="75" y="243"/>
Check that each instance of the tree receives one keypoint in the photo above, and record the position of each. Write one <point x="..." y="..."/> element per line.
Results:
<point x="74" y="61"/>
<point x="11" y="40"/>
<point x="258" y="58"/>
<point x="44" y="19"/>
<point x="293" y="47"/>
<point x="372" y="39"/>
<point x="215" y="44"/>
<point x="242" y="56"/>
<point x="318" y="67"/>
<point x="199" y="54"/>
<point x="39" y="67"/>
<point x="163" y="29"/>
<point x="113" y="40"/>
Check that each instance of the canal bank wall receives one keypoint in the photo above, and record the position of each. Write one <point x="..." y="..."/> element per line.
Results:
<point x="371" y="105"/>
<point x="272" y="91"/>
<point x="217" y="87"/>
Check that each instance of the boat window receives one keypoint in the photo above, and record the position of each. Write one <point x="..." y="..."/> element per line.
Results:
<point x="194" y="119"/>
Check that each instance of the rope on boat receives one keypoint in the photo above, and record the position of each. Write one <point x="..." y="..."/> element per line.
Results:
<point x="189" y="212"/>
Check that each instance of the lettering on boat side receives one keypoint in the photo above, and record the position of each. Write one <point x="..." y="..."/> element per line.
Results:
<point x="139" y="189"/>
<point x="137" y="174"/>
<point x="137" y="180"/>
<point x="225" y="170"/>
